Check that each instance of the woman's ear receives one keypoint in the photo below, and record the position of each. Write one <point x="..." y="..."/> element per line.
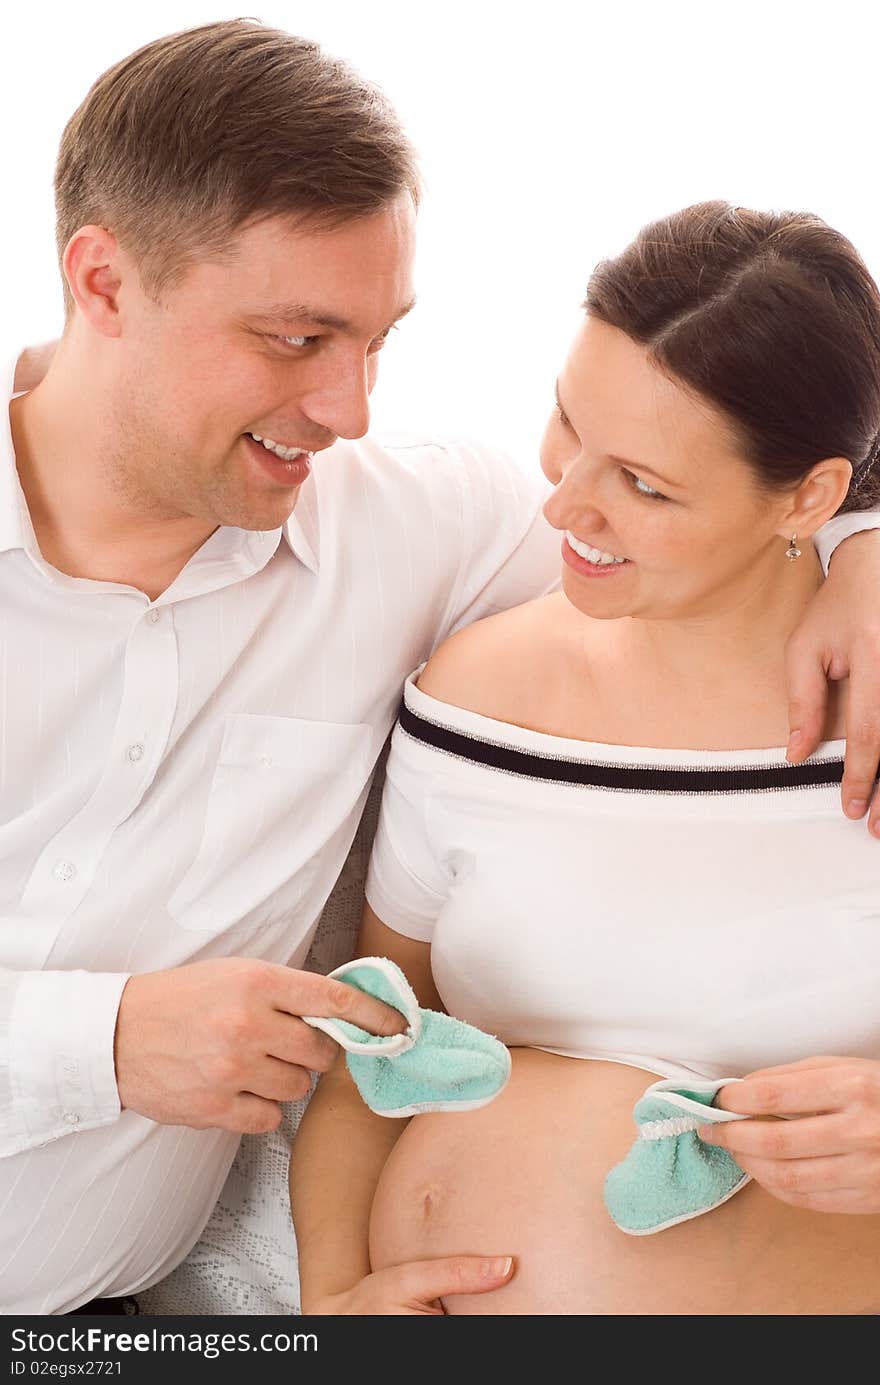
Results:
<point x="817" y="498"/>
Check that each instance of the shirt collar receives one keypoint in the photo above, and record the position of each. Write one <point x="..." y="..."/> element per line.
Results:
<point x="17" y="531"/>
<point x="301" y="529"/>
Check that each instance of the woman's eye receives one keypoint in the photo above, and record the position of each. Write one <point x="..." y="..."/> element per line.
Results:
<point x="643" y="488"/>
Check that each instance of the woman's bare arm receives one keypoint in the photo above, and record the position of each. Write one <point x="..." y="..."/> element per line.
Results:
<point x="342" y="1146"/>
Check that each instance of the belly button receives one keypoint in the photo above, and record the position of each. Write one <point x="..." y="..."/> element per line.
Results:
<point x="431" y="1200"/>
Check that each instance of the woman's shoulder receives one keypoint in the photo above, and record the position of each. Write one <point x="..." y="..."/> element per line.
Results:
<point x="493" y="667"/>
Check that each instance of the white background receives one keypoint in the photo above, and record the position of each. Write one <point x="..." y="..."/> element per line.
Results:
<point x="548" y="134"/>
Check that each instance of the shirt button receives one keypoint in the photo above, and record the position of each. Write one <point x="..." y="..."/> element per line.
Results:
<point x="71" y="1118"/>
<point x="65" y="870"/>
<point x="135" y="753"/>
<point x="266" y="760"/>
<point x="153" y="616"/>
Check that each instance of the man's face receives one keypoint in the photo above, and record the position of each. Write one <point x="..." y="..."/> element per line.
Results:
<point x="280" y="340"/>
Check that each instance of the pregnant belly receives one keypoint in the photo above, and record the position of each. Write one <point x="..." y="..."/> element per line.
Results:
<point x="523" y="1177"/>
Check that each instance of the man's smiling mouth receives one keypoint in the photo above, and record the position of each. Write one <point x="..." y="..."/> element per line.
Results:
<point x="287" y="454"/>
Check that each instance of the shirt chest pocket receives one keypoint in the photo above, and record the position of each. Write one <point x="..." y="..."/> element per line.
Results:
<point x="281" y="789"/>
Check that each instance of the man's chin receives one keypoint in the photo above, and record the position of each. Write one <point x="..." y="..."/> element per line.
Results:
<point x="260" y="516"/>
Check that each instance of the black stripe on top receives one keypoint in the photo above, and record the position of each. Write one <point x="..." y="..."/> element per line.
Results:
<point x="644" y="778"/>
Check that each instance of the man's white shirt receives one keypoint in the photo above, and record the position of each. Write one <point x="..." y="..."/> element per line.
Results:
<point x="182" y="779"/>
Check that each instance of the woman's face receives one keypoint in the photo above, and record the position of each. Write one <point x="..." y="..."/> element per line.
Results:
<point x="648" y="473"/>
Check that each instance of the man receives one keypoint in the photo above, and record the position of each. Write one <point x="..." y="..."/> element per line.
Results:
<point x="204" y="642"/>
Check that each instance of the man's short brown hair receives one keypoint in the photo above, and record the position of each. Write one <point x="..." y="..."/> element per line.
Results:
<point x="200" y="133"/>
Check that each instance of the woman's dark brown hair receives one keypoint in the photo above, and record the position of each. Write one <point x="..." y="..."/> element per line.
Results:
<point x="773" y="318"/>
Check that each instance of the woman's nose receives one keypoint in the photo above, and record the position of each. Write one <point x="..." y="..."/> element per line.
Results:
<point x="572" y="504"/>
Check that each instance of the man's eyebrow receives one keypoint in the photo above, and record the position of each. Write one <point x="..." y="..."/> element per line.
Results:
<point x="637" y="467"/>
<point x="303" y="312"/>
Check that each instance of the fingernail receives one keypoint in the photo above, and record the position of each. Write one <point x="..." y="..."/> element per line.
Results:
<point x="875" y="827"/>
<point x="706" y="1134"/>
<point x="794" y="741"/>
<point x="856" y="808"/>
<point x="498" y="1269"/>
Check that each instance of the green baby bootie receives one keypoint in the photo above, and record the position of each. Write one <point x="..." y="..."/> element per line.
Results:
<point x="670" y="1175"/>
<point x="439" y="1064"/>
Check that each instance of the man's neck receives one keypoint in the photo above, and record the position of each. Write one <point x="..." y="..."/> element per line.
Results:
<point x="82" y="526"/>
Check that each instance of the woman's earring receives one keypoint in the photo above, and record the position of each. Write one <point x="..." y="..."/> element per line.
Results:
<point x="792" y="551"/>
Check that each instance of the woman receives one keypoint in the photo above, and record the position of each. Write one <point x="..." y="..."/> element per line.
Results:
<point x="593" y="846"/>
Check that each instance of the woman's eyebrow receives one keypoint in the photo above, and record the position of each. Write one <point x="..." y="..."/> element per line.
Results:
<point x="637" y="467"/>
<point x="640" y="467"/>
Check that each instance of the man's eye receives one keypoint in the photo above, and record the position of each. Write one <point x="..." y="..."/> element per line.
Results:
<point x="642" y="488"/>
<point x="378" y="342"/>
<point x="294" y="341"/>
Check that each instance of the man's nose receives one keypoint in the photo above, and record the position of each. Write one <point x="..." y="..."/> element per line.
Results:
<point x="339" y="402"/>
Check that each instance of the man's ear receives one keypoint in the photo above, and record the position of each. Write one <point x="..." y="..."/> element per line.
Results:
<point x="92" y="267"/>
<point x="817" y="498"/>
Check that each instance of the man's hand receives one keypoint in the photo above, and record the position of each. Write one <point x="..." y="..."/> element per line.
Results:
<point x="839" y="637"/>
<point x="826" y="1159"/>
<point x="416" y="1289"/>
<point x="220" y="1043"/>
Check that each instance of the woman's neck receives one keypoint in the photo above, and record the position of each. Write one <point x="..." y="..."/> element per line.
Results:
<point x="713" y="680"/>
<point x="739" y="634"/>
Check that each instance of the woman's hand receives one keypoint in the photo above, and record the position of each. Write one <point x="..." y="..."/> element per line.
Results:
<point x="839" y="637"/>
<point x="416" y="1289"/>
<point x="827" y="1158"/>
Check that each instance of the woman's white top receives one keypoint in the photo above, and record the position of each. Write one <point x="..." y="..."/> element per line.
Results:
<point x="680" y="911"/>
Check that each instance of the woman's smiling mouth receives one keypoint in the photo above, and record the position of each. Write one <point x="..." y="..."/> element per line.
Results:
<point x="588" y="561"/>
